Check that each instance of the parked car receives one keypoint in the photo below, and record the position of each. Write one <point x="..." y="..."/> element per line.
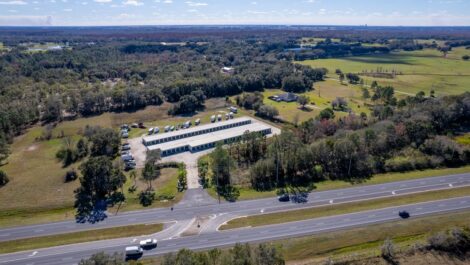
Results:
<point x="141" y="125"/>
<point x="213" y="118"/>
<point x="233" y="109"/>
<point x="219" y="117"/>
<point x="124" y="135"/>
<point x="156" y="130"/>
<point x="172" y="128"/>
<point x="127" y="157"/>
<point x="151" y="131"/>
<point x="148" y="243"/>
<point x="126" y="147"/>
<point x="404" y="214"/>
<point x="167" y="128"/>
<point x="197" y="122"/>
<point x="135" y="125"/>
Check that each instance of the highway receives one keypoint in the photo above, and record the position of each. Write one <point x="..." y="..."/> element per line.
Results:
<point x="186" y="211"/>
<point x="72" y="254"/>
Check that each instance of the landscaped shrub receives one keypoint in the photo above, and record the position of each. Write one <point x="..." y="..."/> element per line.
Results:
<point x="71" y="175"/>
<point x="3" y="178"/>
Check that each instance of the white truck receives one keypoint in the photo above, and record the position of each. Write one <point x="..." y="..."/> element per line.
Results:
<point x="134" y="251"/>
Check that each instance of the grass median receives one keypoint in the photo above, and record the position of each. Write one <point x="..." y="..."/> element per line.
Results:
<point x="78" y="237"/>
<point x="310" y="213"/>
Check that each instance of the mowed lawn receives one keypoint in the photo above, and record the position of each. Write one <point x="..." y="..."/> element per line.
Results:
<point x="424" y="70"/>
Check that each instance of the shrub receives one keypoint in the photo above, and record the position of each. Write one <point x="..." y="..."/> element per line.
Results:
<point x="466" y="57"/>
<point x="455" y="241"/>
<point x="388" y="251"/>
<point x="71" y="175"/>
<point x="3" y="178"/>
<point x="146" y="198"/>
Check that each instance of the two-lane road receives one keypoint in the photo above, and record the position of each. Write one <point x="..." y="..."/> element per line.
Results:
<point x="72" y="254"/>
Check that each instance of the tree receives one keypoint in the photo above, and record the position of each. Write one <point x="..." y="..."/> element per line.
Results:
<point x="102" y="258"/>
<point x="303" y="100"/>
<point x="365" y="93"/>
<point x="326" y="114"/>
<point x="294" y="83"/>
<point x="150" y="172"/>
<point x="53" y="109"/>
<point x="268" y="255"/>
<point x="341" y="78"/>
<point x="4" y="148"/>
<point x="82" y="148"/>
<point x="466" y="57"/>
<point x="241" y="254"/>
<point x="268" y="112"/>
<point x="104" y="141"/>
<point x="3" y="178"/>
<point x="353" y="78"/>
<point x="99" y="182"/>
<point x="339" y="104"/>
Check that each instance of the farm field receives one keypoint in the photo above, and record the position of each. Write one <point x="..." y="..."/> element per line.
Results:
<point x="424" y="70"/>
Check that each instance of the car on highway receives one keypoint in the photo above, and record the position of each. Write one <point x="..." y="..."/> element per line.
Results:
<point x="283" y="197"/>
<point x="148" y="243"/>
<point x="133" y="251"/>
<point x="404" y="214"/>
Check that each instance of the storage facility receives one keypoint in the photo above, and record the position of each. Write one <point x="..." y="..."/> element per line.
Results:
<point x="204" y="137"/>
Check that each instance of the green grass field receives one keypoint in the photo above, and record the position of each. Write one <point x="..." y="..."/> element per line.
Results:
<point x="310" y="213"/>
<point x="78" y="237"/>
<point x="422" y="70"/>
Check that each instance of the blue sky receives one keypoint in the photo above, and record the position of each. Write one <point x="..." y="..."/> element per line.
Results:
<point x="178" y="12"/>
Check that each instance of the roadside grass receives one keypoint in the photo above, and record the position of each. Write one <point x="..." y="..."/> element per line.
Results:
<point x="316" y="212"/>
<point x="368" y="240"/>
<point x="78" y="237"/>
<point x="422" y="70"/>
<point x="247" y="193"/>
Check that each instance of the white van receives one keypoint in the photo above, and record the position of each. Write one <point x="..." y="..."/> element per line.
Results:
<point x="134" y="251"/>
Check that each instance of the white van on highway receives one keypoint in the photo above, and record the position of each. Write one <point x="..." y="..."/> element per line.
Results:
<point x="134" y="251"/>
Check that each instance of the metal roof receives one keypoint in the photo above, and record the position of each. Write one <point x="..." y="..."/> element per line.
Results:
<point x="193" y="129"/>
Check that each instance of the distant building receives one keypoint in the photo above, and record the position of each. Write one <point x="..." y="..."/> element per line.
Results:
<point x="287" y="97"/>
<point x="228" y="70"/>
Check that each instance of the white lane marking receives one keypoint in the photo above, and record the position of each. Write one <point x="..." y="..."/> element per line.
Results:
<point x="371" y="216"/>
<point x="419" y="208"/>
<point x="38" y="230"/>
<point x="33" y="254"/>
<point x="441" y="205"/>
<point x="4" y="235"/>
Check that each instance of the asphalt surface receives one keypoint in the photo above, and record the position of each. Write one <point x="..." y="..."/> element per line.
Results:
<point x="200" y="205"/>
<point x="72" y="254"/>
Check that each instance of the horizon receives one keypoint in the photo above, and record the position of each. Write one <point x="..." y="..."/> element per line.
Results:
<point x="95" y="13"/>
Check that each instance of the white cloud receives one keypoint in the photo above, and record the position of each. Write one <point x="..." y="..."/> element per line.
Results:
<point x="103" y="1"/>
<point x="132" y="3"/>
<point x="13" y="3"/>
<point x="190" y="3"/>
